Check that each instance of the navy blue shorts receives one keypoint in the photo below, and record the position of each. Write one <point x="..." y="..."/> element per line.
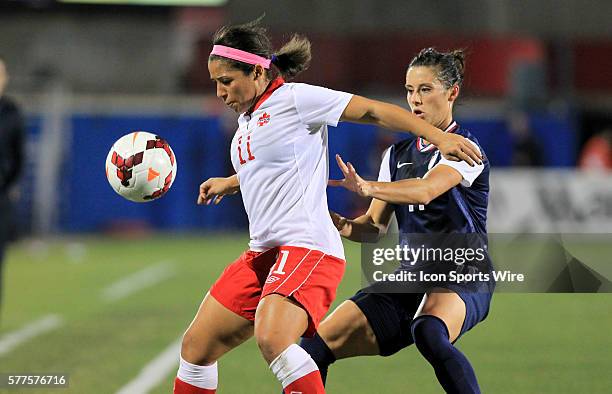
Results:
<point x="390" y="314"/>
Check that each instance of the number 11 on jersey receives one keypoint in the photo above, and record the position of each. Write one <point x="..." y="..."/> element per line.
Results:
<point x="248" y="147"/>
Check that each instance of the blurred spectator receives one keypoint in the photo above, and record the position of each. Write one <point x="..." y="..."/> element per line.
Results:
<point x="12" y="132"/>
<point x="597" y="152"/>
<point x="196" y="78"/>
<point x="526" y="149"/>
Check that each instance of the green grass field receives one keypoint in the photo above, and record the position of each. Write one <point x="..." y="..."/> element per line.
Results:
<point x="530" y="343"/>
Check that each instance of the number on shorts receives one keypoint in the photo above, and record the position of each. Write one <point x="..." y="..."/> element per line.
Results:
<point x="281" y="264"/>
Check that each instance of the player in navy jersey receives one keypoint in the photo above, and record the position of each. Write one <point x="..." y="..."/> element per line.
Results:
<point x="429" y="195"/>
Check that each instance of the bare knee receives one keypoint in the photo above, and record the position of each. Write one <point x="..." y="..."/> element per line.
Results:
<point x="347" y="332"/>
<point x="270" y="343"/>
<point x="195" y="351"/>
<point x="201" y="347"/>
<point x="279" y="322"/>
<point x="214" y="331"/>
<point x="273" y="337"/>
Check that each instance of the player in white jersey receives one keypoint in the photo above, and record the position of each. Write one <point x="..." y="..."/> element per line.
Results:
<point x="281" y="287"/>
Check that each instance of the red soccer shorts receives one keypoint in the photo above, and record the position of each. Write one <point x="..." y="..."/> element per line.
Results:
<point x="308" y="276"/>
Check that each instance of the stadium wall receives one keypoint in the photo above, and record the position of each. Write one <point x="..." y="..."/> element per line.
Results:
<point x="86" y="202"/>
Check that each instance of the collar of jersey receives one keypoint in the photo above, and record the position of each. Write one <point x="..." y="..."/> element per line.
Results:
<point x="272" y="86"/>
<point x="423" y="146"/>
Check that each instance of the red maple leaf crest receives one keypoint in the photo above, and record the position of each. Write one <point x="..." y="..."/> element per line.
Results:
<point x="263" y="119"/>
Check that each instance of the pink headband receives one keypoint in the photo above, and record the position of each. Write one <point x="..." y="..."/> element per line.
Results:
<point x="241" y="56"/>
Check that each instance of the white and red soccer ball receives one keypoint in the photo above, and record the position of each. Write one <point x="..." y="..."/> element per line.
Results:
<point x="141" y="166"/>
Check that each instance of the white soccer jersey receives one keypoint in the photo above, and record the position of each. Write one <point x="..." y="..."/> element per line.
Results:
<point x="384" y="174"/>
<point x="280" y="155"/>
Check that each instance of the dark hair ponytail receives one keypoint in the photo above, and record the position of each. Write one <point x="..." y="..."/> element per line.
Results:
<point x="293" y="58"/>
<point x="450" y="65"/>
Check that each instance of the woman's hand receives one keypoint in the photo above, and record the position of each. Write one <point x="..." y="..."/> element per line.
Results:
<point x="352" y="181"/>
<point x="457" y="148"/>
<point x="343" y="225"/>
<point x="214" y="189"/>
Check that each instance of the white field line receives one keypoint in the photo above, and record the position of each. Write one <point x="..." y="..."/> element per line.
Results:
<point x="13" y="339"/>
<point x="147" y="277"/>
<point x="152" y="374"/>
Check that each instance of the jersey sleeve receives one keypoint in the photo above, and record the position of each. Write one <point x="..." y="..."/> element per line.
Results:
<point x="468" y="173"/>
<point x="318" y="105"/>
<point x="384" y="174"/>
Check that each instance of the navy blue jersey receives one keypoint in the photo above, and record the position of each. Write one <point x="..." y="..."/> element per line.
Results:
<point x="455" y="220"/>
<point x="462" y="209"/>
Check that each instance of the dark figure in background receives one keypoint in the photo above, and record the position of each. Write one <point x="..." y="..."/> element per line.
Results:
<point x="526" y="149"/>
<point x="11" y="153"/>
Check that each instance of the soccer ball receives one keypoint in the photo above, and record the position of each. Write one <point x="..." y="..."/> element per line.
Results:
<point x="141" y="166"/>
